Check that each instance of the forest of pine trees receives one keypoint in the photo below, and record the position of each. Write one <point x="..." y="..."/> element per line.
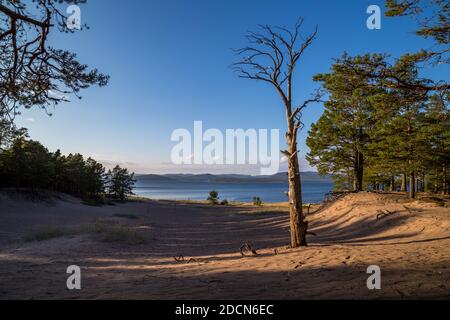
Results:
<point x="386" y="125"/>
<point x="27" y="164"/>
<point x="374" y="136"/>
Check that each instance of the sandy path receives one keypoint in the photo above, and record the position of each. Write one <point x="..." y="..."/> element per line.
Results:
<point x="411" y="245"/>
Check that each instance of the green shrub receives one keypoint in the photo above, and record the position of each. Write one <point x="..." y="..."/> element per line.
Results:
<point x="213" y="197"/>
<point x="224" y="202"/>
<point x="257" y="201"/>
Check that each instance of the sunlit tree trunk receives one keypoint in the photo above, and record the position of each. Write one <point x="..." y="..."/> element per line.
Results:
<point x="403" y="187"/>
<point x="298" y="225"/>
<point x="392" y="184"/>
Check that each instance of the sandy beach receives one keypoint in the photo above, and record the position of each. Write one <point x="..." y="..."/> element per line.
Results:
<point x="192" y="250"/>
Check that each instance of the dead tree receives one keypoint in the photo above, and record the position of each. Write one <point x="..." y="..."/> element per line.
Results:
<point x="271" y="56"/>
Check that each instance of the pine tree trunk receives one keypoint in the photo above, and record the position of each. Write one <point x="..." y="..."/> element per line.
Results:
<point x="392" y="184"/>
<point x="425" y="183"/>
<point x="444" y="180"/>
<point x="403" y="187"/>
<point x="412" y="185"/>
<point x="417" y="184"/>
<point x="359" y="171"/>
<point x="436" y="180"/>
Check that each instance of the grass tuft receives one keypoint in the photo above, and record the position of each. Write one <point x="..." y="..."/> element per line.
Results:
<point x="126" y="216"/>
<point x="113" y="233"/>
<point x="105" y="232"/>
<point x="45" y="234"/>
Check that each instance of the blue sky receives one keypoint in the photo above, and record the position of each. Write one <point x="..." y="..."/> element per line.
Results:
<point x="169" y="65"/>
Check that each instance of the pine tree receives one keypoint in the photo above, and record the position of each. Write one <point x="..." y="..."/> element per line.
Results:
<point x="436" y="128"/>
<point x="8" y="133"/>
<point x="213" y="197"/>
<point x="120" y="183"/>
<point x="398" y="143"/>
<point x="26" y="164"/>
<point x="338" y="141"/>
<point x="95" y="176"/>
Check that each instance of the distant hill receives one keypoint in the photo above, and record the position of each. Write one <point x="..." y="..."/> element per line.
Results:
<point x="281" y="177"/>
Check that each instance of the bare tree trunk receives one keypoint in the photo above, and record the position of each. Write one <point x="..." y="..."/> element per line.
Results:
<point x="403" y="187"/>
<point x="412" y="185"/>
<point x="298" y="225"/>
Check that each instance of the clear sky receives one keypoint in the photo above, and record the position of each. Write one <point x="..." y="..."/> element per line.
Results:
<point x="169" y="65"/>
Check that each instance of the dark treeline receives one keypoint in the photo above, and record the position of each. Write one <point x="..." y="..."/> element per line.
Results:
<point x="28" y="164"/>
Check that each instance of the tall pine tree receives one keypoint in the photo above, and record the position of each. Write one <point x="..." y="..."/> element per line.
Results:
<point x="338" y="141"/>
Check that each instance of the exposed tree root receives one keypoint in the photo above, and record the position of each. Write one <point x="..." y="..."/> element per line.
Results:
<point x="247" y="248"/>
<point x="181" y="259"/>
<point x="384" y="213"/>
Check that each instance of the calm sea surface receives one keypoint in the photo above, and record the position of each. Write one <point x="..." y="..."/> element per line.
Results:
<point x="313" y="192"/>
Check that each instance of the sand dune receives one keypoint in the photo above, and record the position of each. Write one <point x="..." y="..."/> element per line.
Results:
<point x="409" y="240"/>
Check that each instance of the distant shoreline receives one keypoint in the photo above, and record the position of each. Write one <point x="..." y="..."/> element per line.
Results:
<point x="306" y="176"/>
